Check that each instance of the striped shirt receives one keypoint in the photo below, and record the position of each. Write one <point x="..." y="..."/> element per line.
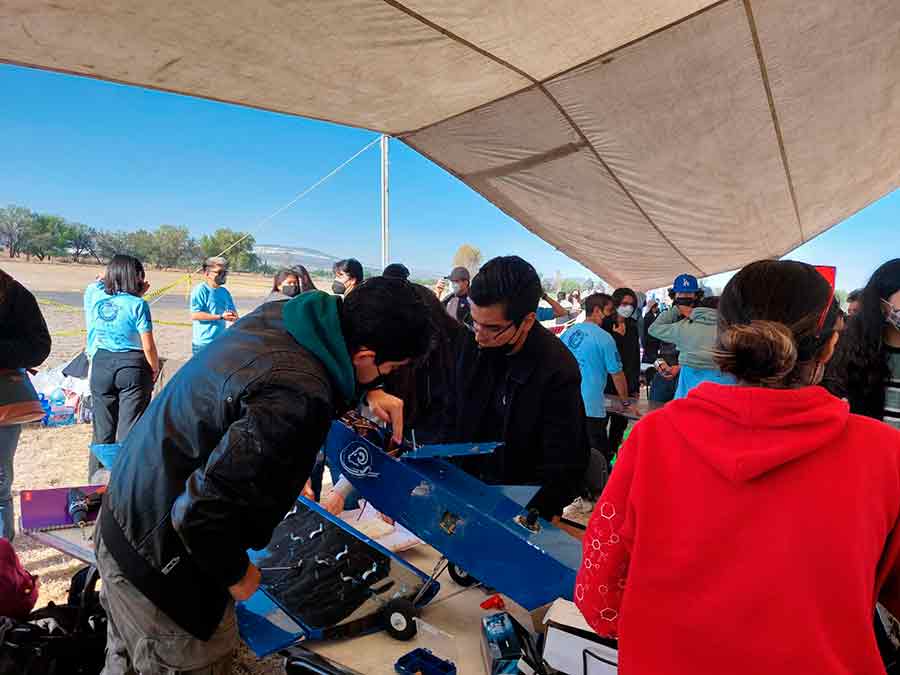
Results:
<point x="892" y="390"/>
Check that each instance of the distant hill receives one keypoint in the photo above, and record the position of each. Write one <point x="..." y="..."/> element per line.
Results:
<point x="315" y="260"/>
<point x="288" y="256"/>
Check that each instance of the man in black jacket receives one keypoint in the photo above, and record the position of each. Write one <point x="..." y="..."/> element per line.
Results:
<point x="219" y="458"/>
<point x="517" y="383"/>
<point x="624" y="329"/>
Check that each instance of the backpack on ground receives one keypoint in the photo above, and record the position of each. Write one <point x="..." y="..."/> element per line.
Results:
<point x="67" y="639"/>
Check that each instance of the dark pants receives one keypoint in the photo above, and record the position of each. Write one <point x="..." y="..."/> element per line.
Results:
<point x="599" y="463"/>
<point x="121" y="386"/>
<point x="596" y="427"/>
<point x="661" y="389"/>
<point x="617" y="426"/>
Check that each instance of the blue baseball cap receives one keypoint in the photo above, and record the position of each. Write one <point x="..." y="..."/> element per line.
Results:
<point x="685" y="283"/>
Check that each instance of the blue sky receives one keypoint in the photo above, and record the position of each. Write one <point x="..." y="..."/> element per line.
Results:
<point x="121" y="157"/>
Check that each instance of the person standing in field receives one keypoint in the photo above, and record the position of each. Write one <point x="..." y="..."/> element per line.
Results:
<point x="125" y="361"/>
<point x="211" y="304"/>
<point x="24" y="343"/>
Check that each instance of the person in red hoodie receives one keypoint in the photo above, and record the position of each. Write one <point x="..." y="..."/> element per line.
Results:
<point x="750" y="529"/>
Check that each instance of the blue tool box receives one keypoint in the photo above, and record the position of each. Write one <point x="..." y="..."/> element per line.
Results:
<point x="424" y="662"/>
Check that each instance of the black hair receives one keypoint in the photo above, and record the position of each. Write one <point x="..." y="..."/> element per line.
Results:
<point x="351" y="267"/>
<point x="124" y="274"/>
<point x="396" y="271"/>
<point x="775" y="317"/>
<point x="281" y="276"/>
<point x="560" y="296"/>
<point x="306" y="282"/>
<point x="594" y="301"/>
<point x="509" y="281"/>
<point x="427" y="387"/>
<point x="861" y="362"/>
<point x="855" y="295"/>
<point x="620" y="293"/>
<point x="387" y="316"/>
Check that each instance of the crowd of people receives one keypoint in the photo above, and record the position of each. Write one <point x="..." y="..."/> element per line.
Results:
<point x="753" y="500"/>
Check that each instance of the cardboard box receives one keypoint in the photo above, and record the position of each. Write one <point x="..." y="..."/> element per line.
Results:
<point x="571" y="646"/>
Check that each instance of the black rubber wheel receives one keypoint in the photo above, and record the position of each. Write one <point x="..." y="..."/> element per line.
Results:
<point x="398" y="619"/>
<point x="460" y="576"/>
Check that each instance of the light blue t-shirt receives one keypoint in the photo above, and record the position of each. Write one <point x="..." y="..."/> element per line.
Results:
<point x="597" y="356"/>
<point x="544" y="313"/>
<point x="94" y="291"/>
<point x="118" y="322"/>
<point x="212" y="301"/>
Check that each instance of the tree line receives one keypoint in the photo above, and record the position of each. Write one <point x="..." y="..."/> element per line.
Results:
<point x="44" y="236"/>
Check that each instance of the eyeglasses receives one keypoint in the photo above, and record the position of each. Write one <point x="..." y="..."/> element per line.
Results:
<point x="492" y="331"/>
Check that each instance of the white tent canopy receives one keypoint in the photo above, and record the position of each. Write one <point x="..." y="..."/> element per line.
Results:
<point x="643" y="138"/>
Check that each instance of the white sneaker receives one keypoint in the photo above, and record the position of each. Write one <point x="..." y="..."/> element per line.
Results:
<point x="583" y="506"/>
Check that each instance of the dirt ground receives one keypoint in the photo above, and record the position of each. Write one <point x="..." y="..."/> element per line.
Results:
<point x="58" y="456"/>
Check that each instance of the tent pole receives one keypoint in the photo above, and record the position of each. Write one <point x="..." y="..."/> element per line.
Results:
<point x="385" y="220"/>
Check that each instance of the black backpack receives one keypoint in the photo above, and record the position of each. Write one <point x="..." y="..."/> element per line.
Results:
<point x="67" y="639"/>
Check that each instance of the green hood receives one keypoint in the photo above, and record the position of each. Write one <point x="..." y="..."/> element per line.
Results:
<point x="314" y="320"/>
<point x="695" y="338"/>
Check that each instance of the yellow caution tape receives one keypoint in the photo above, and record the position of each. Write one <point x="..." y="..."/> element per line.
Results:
<point x="152" y="295"/>
<point x="61" y="305"/>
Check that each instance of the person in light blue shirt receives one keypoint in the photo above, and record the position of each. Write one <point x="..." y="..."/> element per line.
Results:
<point x="211" y="304"/>
<point x="125" y="363"/>
<point x="92" y="293"/>
<point x="597" y="356"/>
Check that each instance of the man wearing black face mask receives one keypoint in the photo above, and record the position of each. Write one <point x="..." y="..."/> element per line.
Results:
<point x="211" y="304"/>
<point x="517" y="383"/>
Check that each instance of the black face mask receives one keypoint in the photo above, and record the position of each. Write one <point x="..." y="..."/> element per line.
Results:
<point x="338" y="287"/>
<point x="504" y="349"/>
<point x="221" y="276"/>
<point x="685" y="302"/>
<point x="290" y="290"/>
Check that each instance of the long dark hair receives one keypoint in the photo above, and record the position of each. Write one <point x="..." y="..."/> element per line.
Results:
<point x="427" y="386"/>
<point x="775" y="318"/>
<point x="280" y="277"/>
<point x="124" y="274"/>
<point x="861" y="368"/>
<point x="306" y="282"/>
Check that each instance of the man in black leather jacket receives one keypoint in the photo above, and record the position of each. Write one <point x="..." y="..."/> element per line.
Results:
<point x="220" y="456"/>
<point x="519" y="384"/>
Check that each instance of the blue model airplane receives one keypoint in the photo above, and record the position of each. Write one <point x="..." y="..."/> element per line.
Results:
<point x="322" y="579"/>
<point x="484" y="530"/>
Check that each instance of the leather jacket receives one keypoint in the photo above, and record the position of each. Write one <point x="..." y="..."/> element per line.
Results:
<point x="214" y="464"/>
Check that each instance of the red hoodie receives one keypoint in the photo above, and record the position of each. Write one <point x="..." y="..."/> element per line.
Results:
<point x="746" y="531"/>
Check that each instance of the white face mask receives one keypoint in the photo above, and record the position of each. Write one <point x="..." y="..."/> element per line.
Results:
<point x="892" y="317"/>
<point x="455" y="288"/>
<point x="625" y="311"/>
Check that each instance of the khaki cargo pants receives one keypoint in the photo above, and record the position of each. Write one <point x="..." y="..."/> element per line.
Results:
<point x="141" y="640"/>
